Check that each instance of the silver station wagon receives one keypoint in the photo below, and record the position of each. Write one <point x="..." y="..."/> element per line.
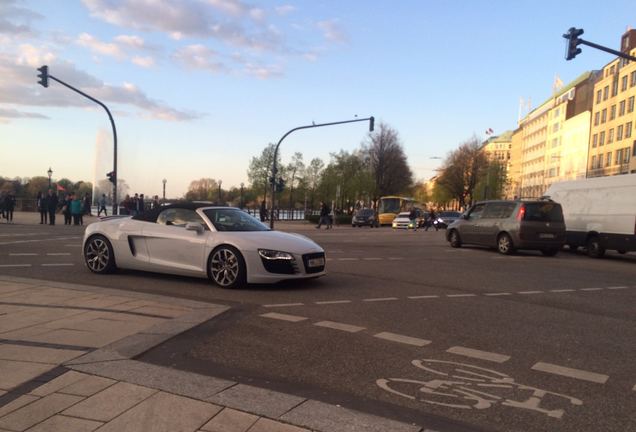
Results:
<point x="511" y="225"/>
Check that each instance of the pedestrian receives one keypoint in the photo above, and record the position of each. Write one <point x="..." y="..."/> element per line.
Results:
<point x="2" y="205"/>
<point x="44" y="212"/>
<point x="413" y="218"/>
<point x="75" y="207"/>
<point x="101" y="205"/>
<point x="432" y="221"/>
<point x="66" y="209"/>
<point x="133" y="205"/>
<point x="155" y="202"/>
<point x="126" y="204"/>
<point x="141" y="204"/>
<point x="87" y="205"/>
<point x="263" y="211"/>
<point x="324" y="215"/>
<point x="9" y="206"/>
<point x="51" y="205"/>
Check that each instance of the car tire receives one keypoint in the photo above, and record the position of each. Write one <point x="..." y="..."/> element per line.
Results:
<point x="226" y="267"/>
<point x="549" y="252"/>
<point x="98" y="255"/>
<point x="594" y="248"/>
<point x="505" y="245"/>
<point x="622" y="251"/>
<point x="454" y="239"/>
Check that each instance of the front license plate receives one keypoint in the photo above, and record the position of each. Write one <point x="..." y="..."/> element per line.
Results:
<point x="316" y="262"/>
<point x="546" y="236"/>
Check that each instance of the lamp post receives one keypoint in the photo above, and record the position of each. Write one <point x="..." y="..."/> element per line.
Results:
<point x="164" y="188"/>
<point x="241" y="201"/>
<point x="220" y="183"/>
<point x="50" y="173"/>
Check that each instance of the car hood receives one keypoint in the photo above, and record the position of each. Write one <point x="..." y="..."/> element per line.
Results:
<point x="401" y="219"/>
<point x="277" y="240"/>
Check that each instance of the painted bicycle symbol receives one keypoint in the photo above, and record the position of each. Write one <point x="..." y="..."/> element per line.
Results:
<point x="467" y="386"/>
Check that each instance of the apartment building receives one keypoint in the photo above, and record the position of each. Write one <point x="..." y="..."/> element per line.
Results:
<point x="612" y="143"/>
<point x="534" y="131"/>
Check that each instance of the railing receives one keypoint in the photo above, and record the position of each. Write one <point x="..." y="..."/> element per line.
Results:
<point x="608" y="171"/>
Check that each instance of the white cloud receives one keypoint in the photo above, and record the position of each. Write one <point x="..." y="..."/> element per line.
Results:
<point x="146" y="61"/>
<point x="99" y="47"/>
<point x="131" y="41"/>
<point x="263" y="71"/>
<point x="332" y="31"/>
<point x="10" y="113"/>
<point x="285" y="9"/>
<point x="199" y="57"/>
<point x="16" y="20"/>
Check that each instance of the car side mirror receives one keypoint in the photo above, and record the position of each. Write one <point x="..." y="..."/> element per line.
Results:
<point x="194" y="226"/>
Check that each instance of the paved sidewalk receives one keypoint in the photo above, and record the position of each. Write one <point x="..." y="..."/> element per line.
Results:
<point x="67" y="364"/>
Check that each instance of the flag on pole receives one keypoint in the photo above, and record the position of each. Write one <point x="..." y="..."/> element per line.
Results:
<point x="60" y="188"/>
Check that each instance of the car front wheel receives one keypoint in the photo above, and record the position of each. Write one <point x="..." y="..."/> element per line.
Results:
<point x="226" y="267"/>
<point x="454" y="239"/>
<point x="594" y="248"/>
<point x="504" y="244"/>
<point x="98" y="255"/>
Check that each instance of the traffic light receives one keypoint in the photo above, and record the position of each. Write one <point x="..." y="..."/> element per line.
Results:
<point x="44" y="76"/>
<point x="280" y="185"/>
<point x="111" y="176"/>
<point x="371" y="123"/>
<point x="571" y="47"/>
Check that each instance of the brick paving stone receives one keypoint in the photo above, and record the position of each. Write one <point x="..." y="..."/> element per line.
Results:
<point x="58" y="383"/>
<point x="17" y="403"/>
<point x="267" y="425"/>
<point x="230" y="420"/>
<point x="15" y="373"/>
<point x="36" y="412"/>
<point x="37" y="354"/>
<point x="163" y="412"/>
<point x="109" y="403"/>
<point x="88" y="386"/>
<point x="261" y="401"/>
<point x="59" y="423"/>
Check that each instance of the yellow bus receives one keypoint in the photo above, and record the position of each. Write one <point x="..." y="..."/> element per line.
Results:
<point x="390" y="206"/>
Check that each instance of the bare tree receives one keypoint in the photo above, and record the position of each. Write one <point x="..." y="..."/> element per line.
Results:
<point x="389" y="167"/>
<point x="462" y="171"/>
<point x="295" y="171"/>
<point x="313" y="176"/>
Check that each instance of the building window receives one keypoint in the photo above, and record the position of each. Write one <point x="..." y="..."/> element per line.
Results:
<point x="626" y="155"/>
<point x="634" y="151"/>
<point x="597" y="116"/>
<point x="594" y="140"/>
<point x="621" y="108"/>
<point x="605" y="92"/>
<point x="600" y="161"/>
<point x="601" y="139"/>
<point x="610" y="136"/>
<point x="614" y="88"/>
<point x="594" y="159"/>
<point x="608" y="159"/>
<point x="624" y="83"/>
<point x="628" y="130"/>
<point x="604" y="115"/>
<point x="612" y="69"/>
<point x="632" y="79"/>
<point x="630" y="104"/>
<point x="555" y="127"/>
<point x="619" y="133"/>
<point x="619" y="156"/>
<point x="599" y="95"/>
<point x="613" y="112"/>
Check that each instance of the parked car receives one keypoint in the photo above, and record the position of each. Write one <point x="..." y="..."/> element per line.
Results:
<point x="364" y="217"/>
<point x="224" y="244"/>
<point x="599" y="213"/>
<point x="402" y="220"/>
<point x="511" y="225"/>
<point x="446" y="218"/>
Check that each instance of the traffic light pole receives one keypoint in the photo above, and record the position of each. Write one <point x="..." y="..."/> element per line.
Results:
<point x="607" y="50"/>
<point x="574" y="41"/>
<point x="371" y="121"/>
<point x="112" y="123"/>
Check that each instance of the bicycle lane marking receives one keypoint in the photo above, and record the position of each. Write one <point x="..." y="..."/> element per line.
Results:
<point x="570" y="372"/>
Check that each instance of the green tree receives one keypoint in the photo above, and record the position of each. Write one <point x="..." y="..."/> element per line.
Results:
<point x="388" y="163"/>
<point x="260" y="169"/>
<point x="313" y="176"/>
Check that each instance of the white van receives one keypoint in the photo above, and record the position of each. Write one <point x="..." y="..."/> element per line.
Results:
<point x="599" y="213"/>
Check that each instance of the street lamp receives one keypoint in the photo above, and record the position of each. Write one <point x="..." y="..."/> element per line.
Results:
<point x="241" y="201"/>
<point x="164" y="188"/>
<point x="220" y="183"/>
<point x="50" y="173"/>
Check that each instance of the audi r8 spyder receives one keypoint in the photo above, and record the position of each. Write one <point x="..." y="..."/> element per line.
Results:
<point x="224" y="244"/>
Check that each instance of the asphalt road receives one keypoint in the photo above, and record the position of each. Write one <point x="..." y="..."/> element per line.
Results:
<point x="405" y="327"/>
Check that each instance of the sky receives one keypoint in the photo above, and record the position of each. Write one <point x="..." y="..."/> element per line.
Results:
<point x="199" y="87"/>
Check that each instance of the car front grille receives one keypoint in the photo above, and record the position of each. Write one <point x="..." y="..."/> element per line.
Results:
<point x="280" y="266"/>
<point x="306" y="259"/>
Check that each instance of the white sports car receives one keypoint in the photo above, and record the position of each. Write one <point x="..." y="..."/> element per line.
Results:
<point x="224" y="244"/>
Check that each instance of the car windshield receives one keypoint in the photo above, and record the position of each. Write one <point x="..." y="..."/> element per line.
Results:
<point x="450" y="214"/>
<point x="404" y="215"/>
<point x="233" y="220"/>
<point x="543" y="212"/>
<point x="365" y="212"/>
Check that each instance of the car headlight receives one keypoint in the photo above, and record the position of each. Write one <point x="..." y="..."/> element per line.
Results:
<point x="275" y="255"/>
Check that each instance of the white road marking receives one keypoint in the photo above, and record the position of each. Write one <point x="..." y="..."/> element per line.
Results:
<point x="372" y="259"/>
<point x="348" y="259"/>
<point x="283" y="305"/>
<point x="591" y="289"/>
<point x="58" y="254"/>
<point x="530" y="292"/>
<point x="423" y="297"/>
<point x="497" y="294"/>
<point x="35" y="241"/>
<point x="284" y="317"/>
<point x="461" y="295"/>
<point x="617" y="287"/>
<point x="15" y="265"/>
<point x="562" y="290"/>
<point x="478" y="354"/>
<point x="23" y="254"/>
<point x="393" y="337"/>
<point x="380" y="299"/>
<point x="58" y="265"/>
<point x="327" y="302"/>
<point x="570" y="373"/>
<point x="329" y="259"/>
<point x="339" y="326"/>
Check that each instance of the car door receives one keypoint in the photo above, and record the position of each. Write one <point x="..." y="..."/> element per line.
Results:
<point x="488" y="226"/>
<point x="171" y="246"/>
<point x="468" y="230"/>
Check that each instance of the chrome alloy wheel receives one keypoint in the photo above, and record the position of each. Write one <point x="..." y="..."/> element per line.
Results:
<point x="97" y="255"/>
<point x="224" y="267"/>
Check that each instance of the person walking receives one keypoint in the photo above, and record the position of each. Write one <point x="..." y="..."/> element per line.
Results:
<point x="44" y="212"/>
<point x="87" y="205"/>
<point x="141" y="204"/>
<point x="324" y="215"/>
<point x="413" y="218"/>
<point x="2" y="205"/>
<point x="51" y="205"/>
<point x="263" y="211"/>
<point x="9" y="206"/>
<point x="432" y="221"/>
<point x="101" y="205"/>
<point x="66" y="209"/>
<point x="75" y="206"/>
<point x="155" y="202"/>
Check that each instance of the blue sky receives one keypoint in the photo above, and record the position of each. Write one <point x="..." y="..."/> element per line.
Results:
<point x="198" y="87"/>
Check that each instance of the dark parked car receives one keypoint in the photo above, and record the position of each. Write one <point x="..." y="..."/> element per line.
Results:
<point x="511" y="225"/>
<point x="447" y="217"/>
<point x="365" y="217"/>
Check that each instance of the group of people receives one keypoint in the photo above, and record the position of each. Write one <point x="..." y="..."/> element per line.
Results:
<point x="7" y="205"/>
<point x="137" y="204"/>
<point x="429" y="222"/>
<point x="326" y="217"/>
<point x="72" y="206"/>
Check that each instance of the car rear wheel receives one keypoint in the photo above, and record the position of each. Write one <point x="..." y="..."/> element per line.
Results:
<point x="549" y="252"/>
<point x="621" y="251"/>
<point x="504" y="244"/>
<point x="226" y="267"/>
<point x="98" y="255"/>
<point x="454" y="239"/>
<point x="594" y="248"/>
